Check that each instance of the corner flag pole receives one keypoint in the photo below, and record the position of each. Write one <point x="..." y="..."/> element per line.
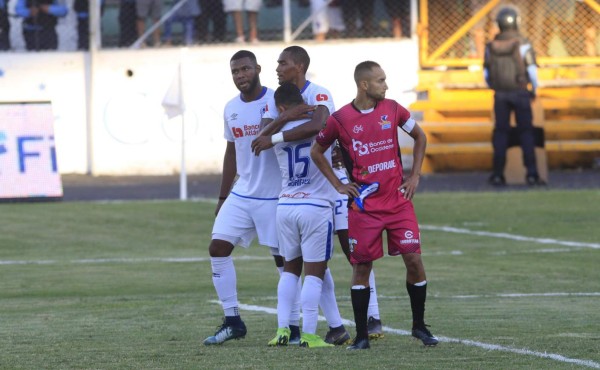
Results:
<point x="182" y="172"/>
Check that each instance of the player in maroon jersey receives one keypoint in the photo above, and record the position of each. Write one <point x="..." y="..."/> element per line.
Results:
<point x="367" y="132"/>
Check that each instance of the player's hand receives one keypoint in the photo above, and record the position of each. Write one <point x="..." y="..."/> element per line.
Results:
<point x="409" y="186"/>
<point x="300" y="111"/>
<point x="350" y="189"/>
<point x="337" y="161"/>
<point x="261" y="143"/>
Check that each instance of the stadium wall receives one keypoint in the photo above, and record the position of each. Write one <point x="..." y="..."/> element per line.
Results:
<point x="122" y="90"/>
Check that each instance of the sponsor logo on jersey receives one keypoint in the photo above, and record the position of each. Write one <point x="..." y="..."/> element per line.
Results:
<point x="245" y="130"/>
<point x="364" y="172"/>
<point x="409" y="238"/>
<point x="298" y="195"/>
<point x="385" y="123"/>
<point x="352" y="243"/>
<point x="359" y="147"/>
<point x="298" y="181"/>
<point x="322" y="97"/>
<point x="382" y="166"/>
<point x="357" y="129"/>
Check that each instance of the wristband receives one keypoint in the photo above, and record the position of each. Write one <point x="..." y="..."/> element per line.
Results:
<point x="277" y="138"/>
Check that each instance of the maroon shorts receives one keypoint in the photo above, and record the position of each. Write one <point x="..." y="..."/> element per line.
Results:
<point x="365" y="231"/>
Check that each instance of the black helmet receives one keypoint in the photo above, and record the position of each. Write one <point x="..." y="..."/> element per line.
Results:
<point x="508" y="19"/>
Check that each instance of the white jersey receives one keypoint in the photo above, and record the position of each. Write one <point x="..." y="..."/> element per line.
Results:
<point x="301" y="179"/>
<point x="258" y="176"/>
<point x="312" y="94"/>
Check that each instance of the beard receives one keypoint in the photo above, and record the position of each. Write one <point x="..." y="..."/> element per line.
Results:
<point x="251" y="85"/>
<point x="376" y="97"/>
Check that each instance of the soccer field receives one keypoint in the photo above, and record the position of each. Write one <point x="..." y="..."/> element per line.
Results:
<point x="513" y="284"/>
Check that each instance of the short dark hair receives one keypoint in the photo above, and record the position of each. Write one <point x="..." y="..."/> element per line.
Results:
<point x="288" y="94"/>
<point x="244" y="54"/>
<point x="362" y="68"/>
<point x="299" y="55"/>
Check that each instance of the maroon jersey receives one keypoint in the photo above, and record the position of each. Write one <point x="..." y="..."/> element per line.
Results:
<point x="370" y="142"/>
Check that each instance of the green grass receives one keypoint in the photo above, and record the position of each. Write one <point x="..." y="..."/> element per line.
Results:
<point x="88" y="288"/>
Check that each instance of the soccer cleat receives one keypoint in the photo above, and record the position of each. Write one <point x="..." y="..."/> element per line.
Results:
<point x="281" y="339"/>
<point x="534" y="180"/>
<point x="374" y="328"/>
<point x="362" y="343"/>
<point x="365" y="191"/>
<point x="294" y="335"/>
<point x="226" y="332"/>
<point x="337" y="336"/>
<point x="313" y="341"/>
<point x="422" y="333"/>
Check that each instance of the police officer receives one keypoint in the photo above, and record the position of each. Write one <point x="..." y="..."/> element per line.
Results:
<point x="4" y="26"/>
<point x="509" y="68"/>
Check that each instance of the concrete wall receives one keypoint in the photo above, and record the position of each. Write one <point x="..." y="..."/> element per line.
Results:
<point x="130" y="133"/>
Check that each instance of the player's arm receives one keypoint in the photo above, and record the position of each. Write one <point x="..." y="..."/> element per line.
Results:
<point x="228" y="176"/>
<point x="270" y="127"/>
<point x="411" y="182"/>
<point x="317" y="155"/>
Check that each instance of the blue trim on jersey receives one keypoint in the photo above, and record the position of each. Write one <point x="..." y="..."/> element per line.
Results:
<point x="305" y="86"/>
<point x="343" y="178"/>
<point x="303" y="204"/>
<point x="262" y="93"/>
<point x="329" y="249"/>
<point x="247" y="197"/>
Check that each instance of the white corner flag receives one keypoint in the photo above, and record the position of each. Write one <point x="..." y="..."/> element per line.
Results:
<point x="173" y="102"/>
<point x="174" y="106"/>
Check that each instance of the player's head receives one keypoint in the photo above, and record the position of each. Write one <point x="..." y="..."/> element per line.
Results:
<point x="245" y="71"/>
<point x="370" y="80"/>
<point x="508" y="19"/>
<point x="293" y="63"/>
<point x="287" y="95"/>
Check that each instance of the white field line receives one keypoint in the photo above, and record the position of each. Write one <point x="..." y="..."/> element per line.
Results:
<point x="467" y="342"/>
<point x="456" y="230"/>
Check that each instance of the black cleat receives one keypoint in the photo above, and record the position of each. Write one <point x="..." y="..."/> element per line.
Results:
<point x="362" y="343"/>
<point x="337" y="336"/>
<point x="423" y="334"/>
<point x="374" y="328"/>
<point x="534" y="180"/>
<point x="226" y="332"/>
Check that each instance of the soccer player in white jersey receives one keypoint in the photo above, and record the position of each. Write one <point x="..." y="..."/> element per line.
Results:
<point x="292" y="65"/>
<point x="304" y="226"/>
<point x="245" y="209"/>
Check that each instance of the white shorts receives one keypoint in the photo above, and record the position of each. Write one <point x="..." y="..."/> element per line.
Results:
<point x="239" y="5"/>
<point x="305" y="230"/>
<point x="340" y="209"/>
<point x="329" y="18"/>
<point x="240" y="220"/>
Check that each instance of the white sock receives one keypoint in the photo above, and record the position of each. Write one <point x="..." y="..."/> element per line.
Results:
<point x="311" y="293"/>
<point x="286" y="294"/>
<point x="225" y="282"/>
<point x="328" y="302"/>
<point x="295" y="316"/>
<point x="373" y="304"/>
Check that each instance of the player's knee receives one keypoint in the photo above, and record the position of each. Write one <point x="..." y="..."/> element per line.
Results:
<point x="220" y="248"/>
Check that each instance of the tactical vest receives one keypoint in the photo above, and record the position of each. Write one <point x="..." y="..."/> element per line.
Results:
<point x="506" y="68"/>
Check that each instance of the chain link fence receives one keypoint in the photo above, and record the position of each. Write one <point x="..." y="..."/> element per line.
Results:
<point x="64" y="24"/>
<point x="561" y="31"/>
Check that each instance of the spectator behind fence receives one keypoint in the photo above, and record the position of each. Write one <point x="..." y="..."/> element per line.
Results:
<point x="127" y="22"/>
<point x="211" y="11"/>
<point x="355" y="11"/>
<point x="509" y="65"/>
<point x="399" y="12"/>
<point x="148" y="9"/>
<point x="235" y="8"/>
<point x="328" y="20"/>
<point x="39" y="22"/>
<point x="82" y="9"/>
<point x="4" y="26"/>
<point x="186" y="15"/>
